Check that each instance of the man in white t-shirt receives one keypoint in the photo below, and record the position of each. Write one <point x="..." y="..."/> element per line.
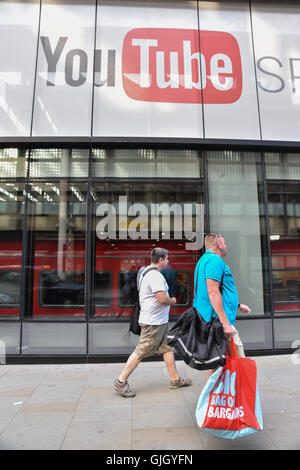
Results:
<point x="154" y="316"/>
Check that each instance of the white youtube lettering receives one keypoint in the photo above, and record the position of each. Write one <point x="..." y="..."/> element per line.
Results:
<point x="224" y="83"/>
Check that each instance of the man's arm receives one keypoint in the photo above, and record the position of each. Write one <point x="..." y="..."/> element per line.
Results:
<point x="164" y="299"/>
<point x="217" y="304"/>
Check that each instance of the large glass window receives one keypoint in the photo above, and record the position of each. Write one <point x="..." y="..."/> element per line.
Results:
<point x="13" y="162"/>
<point x="58" y="206"/>
<point x="284" y="218"/>
<point x="235" y="199"/>
<point x="59" y="163"/>
<point x="148" y="163"/>
<point x="11" y="230"/>
<point x="130" y="218"/>
<point x="282" y="166"/>
<point x="56" y="255"/>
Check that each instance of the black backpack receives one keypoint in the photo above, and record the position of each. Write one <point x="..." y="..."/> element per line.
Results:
<point x="201" y="344"/>
<point x="134" y="326"/>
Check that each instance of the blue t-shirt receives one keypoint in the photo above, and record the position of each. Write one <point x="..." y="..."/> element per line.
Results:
<point x="211" y="266"/>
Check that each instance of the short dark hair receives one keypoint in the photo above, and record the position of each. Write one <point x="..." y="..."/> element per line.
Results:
<point x="158" y="253"/>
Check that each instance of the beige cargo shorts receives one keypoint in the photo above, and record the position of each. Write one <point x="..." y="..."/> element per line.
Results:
<point x="153" y="339"/>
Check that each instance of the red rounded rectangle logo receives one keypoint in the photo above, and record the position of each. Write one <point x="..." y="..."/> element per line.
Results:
<point x="181" y="66"/>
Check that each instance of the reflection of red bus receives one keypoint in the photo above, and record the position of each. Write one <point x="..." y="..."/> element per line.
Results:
<point x="286" y="275"/>
<point x="58" y="278"/>
<point x="10" y="278"/>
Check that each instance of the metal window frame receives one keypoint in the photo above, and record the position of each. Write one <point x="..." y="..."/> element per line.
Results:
<point x="201" y="145"/>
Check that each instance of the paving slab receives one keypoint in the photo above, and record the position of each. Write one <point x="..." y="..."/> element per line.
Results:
<point x="37" y="430"/>
<point x="73" y="406"/>
<point x="284" y="430"/>
<point x="144" y="417"/>
<point x="57" y="393"/>
<point x="98" y="435"/>
<point x="168" y="438"/>
<point x="257" y="441"/>
<point x="107" y="413"/>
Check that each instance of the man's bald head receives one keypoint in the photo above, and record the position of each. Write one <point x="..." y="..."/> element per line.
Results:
<point x="211" y="240"/>
<point x="216" y="243"/>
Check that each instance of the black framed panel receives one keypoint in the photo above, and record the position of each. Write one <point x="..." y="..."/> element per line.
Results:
<point x="67" y="192"/>
<point x="55" y="265"/>
<point x="284" y="216"/>
<point x="125" y="230"/>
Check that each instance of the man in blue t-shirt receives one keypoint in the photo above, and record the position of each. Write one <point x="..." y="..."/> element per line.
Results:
<point x="215" y="292"/>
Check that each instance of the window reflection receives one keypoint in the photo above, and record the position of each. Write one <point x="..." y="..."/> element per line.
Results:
<point x="59" y="163"/>
<point x="284" y="217"/>
<point x="103" y="288"/>
<point x="234" y="180"/>
<point x="282" y="166"/>
<point x="11" y="230"/>
<point x="146" y="163"/>
<point x="128" y="288"/>
<point x="120" y="207"/>
<point x="61" y="291"/>
<point x="284" y="209"/>
<point x="13" y="163"/>
<point x="10" y="283"/>
<point x="286" y="285"/>
<point x="178" y="283"/>
<point x="56" y="264"/>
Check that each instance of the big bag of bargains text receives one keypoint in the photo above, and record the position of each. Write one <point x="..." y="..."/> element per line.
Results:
<point x="229" y="404"/>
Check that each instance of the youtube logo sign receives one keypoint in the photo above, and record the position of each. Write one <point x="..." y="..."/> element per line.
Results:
<point x="178" y="66"/>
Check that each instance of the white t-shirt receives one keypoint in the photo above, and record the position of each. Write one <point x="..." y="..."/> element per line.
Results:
<point x="152" y="311"/>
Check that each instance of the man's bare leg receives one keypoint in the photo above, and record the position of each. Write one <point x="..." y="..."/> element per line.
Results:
<point x="131" y="364"/>
<point x="210" y="373"/>
<point x="171" y="366"/>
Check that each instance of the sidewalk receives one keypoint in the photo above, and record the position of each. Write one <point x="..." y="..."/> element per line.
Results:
<point x="74" y="407"/>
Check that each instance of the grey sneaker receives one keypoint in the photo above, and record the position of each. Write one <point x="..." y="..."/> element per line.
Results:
<point x="123" y="389"/>
<point x="181" y="382"/>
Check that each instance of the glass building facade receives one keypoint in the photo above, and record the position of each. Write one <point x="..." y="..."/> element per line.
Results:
<point x="130" y="124"/>
<point x="78" y="224"/>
